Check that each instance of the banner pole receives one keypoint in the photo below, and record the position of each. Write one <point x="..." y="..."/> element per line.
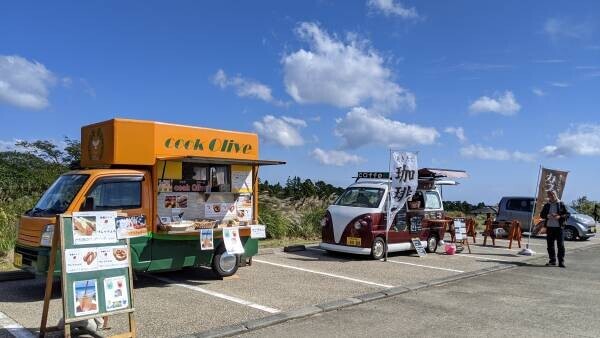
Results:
<point x="389" y="205"/>
<point x="527" y="251"/>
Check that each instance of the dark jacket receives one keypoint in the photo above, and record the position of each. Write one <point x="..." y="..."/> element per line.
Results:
<point x="562" y="211"/>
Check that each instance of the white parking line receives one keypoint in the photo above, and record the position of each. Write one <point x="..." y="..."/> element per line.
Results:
<point x="14" y="328"/>
<point x="323" y="273"/>
<point x="218" y="295"/>
<point x="425" y="266"/>
<point x="486" y="258"/>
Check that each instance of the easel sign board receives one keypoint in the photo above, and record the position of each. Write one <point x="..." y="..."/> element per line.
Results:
<point x="416" y="242"/>
<point x="460" y="229"/>
<point x="96" y="276"/>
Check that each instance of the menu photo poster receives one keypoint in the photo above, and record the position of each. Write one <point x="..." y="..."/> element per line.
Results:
<point x="243" y="206"/>
<point x="206" y="239"/>
<point x="97" y="227"/>
<point x="241" y="178"/>
<point x="85" y="294"/>
<point x="219" y="210"/>
<point x="131" y="226"/>
<point x="116" y="295"/>
<point x="233" y="243"/>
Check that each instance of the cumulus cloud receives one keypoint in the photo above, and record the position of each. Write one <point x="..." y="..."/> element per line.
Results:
<point x="342" y="74"/>
<point x="243" y="87"/>
<point x="459" y="132"/>
<point x="361" y="127"/>
<point x="392" y="8"/>
<point x="279" y="131"/>
<point x="478" y="151"/>
<point x="502" y="104"/>
<point x="335" y="157"/>
<point x="24" y="83"/>
<point x="582" y="139"/>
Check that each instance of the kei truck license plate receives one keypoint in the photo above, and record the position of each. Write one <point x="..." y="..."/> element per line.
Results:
<point x="353" y="241"/>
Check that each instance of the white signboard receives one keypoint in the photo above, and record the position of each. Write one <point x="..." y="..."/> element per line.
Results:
<point x="233" y="243"/>
<point x="460" y="229"/>
<point x="258" y="231"/>
<point x="94" y="259"/>
<point x="405" y="179"/>
<point x="243" y="207"/>
<point x="96" y="227"/>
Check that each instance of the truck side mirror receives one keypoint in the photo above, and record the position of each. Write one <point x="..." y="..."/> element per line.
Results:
<point x="88" y="205"/>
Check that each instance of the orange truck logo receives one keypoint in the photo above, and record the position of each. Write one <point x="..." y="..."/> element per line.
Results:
<point x="96" y="145"/>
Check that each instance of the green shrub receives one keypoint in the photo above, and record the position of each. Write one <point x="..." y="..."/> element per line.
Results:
<point x="309" y="225"/>
<point x="275" y="222"/>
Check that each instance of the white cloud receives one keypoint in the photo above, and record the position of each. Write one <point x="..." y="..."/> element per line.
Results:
<point x="393" y="8"/>
<point x="243" y="87"/>
<point x="335" y="157"/>
<point x="557" y="28"/>
<point x="459" y="132"/>
<point x="583" y="139"/>
<point x="24" y="83"/>
<point x="502" y="104"/>
<point x="488" y="153"/>
<point x="361" y="127"/>
<point x="342" y="74"/>
<point x="550" y="61"/>
<point x="279" y="131"/>
<point x="560" y="84"/>
<point x="538" y="92"/>
<point x="294" y="121"/>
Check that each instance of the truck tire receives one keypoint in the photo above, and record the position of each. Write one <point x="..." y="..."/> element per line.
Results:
<point x="432" y="244"/>
<point x="225" y="264"/>
<point x="570" y="233"/>
<point x="378" y="248"/>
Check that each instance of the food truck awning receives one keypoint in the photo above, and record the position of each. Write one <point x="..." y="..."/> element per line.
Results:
<point x="222" y="160"/>
<point x="446" y="173"/>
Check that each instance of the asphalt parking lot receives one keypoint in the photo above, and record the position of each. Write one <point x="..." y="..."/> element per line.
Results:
<point x="194" y="301"/>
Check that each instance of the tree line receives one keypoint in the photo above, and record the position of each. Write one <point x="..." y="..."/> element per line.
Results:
<point x="296" y="189"/>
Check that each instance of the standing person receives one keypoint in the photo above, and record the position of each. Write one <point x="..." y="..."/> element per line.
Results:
<point x="554" y="213"/>
<point x="596" y="213"/>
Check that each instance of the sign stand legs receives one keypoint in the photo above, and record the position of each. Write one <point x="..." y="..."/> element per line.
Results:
<point x="49" y="282"/>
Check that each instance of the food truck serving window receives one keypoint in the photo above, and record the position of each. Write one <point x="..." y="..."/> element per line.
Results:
<point x="432" y="200"/>
<point x="361" y="197"/>
<point x="116" y="193"/>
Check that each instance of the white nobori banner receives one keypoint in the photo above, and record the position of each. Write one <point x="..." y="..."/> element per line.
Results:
<point x="405" y="179"/>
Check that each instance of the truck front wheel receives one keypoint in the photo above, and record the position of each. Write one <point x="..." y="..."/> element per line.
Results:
<point x="432" y="244"/>
<point x="225" y="264"/>
<point x="378" y="248"/>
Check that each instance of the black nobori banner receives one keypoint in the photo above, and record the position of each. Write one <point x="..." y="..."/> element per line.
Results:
<point x="373" y="174"/>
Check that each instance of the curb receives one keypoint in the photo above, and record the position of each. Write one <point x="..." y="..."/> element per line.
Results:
<point x="255" y="324"/>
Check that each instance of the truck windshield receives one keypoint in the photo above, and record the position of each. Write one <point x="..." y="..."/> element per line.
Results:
<point x="59" y="196"/>
<point x="360" y="197"/>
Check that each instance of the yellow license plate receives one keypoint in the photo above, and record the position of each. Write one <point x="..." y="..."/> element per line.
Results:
<point x="18" y="261"/>
<point x="593" y="229"/>
<point x="354" y="241"/>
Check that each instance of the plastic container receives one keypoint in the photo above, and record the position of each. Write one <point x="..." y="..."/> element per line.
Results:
<point x="450" y="249"/>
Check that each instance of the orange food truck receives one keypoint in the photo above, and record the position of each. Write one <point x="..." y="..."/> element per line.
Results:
<point x="172" y="180"/>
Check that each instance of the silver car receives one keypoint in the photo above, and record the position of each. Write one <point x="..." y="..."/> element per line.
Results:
<point x="520" y="208"/>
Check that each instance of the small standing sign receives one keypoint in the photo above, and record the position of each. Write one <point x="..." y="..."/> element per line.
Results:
<point x="96" y="273"/>
<point x="416" y="242"/>
<point x="460" y="232"/>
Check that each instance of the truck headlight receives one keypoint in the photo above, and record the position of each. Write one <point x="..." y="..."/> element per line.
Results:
<point x="357" y="225"/>
<point x="47" y="234"/>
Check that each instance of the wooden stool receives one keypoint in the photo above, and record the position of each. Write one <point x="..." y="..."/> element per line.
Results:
<point x="471" y="229"/>
<point x="514" y="233"/>
<point x="489" y="231"/>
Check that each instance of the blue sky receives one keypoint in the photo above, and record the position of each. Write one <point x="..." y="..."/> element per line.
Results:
<point x="495" y="88"/>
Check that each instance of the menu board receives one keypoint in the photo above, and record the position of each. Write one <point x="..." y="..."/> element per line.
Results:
<point x="94" y="227"/>
<point x="233" y="243"/>
<point x="241" y="178"/>
<point x="460" y="229"/>
<point x="96" y="274"/>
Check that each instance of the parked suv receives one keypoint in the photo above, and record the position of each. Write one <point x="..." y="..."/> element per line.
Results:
<point x="520" y="208"/>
